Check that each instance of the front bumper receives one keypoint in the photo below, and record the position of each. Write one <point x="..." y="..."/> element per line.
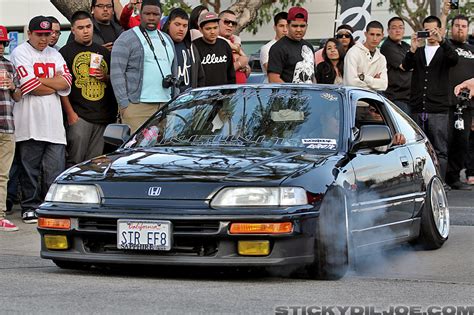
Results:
<point x="198" y="240"/>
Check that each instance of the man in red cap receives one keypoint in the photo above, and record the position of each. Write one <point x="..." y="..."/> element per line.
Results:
<point x="291" y="59"/>
<point x="9" y="94"/>
<point x="39" y="130"/>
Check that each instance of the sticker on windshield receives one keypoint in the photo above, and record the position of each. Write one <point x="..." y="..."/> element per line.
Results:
<point x="185" y="99"/>
<point x="329" y="97"/>
<point x="318" y="143"/>
<point x="287" y="115"/>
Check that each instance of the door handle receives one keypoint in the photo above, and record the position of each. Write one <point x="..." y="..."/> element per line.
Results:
<point x="404" y="161"/>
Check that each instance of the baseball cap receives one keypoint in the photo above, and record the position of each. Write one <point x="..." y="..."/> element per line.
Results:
<point x="3" y="34"/>
<point x="207" y="17"/>
<point x="40" y="24"/>
<point x="297" y="13"/>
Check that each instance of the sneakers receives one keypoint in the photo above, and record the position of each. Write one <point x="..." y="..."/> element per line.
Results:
<point x="29" y="217"/>
<point x="7" y="226"/>
<point x="470" y="180"/>
<point x="460" y="186"/>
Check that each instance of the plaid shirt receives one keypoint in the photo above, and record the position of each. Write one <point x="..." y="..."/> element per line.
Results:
<point x="6" y="100"/>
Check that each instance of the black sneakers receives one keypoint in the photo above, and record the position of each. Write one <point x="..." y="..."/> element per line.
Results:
<point x="458" y="185"/>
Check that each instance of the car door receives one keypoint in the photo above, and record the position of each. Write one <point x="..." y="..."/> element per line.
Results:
<point x="384" y="199"/>
<point x="419" y="148"/>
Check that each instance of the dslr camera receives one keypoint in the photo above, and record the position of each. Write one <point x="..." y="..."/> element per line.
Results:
<point x="170" y="81"/>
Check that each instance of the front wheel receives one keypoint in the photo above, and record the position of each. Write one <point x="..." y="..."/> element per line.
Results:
<point x="332" y="238"/>
<point x="434" y="230"/>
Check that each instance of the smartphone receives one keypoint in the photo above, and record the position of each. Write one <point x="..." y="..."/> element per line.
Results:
<point x="423" y="34"/>
<point x="454" y="4"/>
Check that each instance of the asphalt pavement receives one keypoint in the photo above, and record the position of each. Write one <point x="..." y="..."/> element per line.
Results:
<point x="399" y="276"/>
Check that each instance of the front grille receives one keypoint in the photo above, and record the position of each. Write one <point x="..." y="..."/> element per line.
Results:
<point x="179" y="226"/>
<point x="182" y="246"/>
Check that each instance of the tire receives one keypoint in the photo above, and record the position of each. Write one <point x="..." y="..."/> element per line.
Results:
<point x="64" y="264"/>
<point x="434" y="227"/>
<point x="332" y="238"/>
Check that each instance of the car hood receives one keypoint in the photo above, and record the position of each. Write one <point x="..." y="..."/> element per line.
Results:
<point x="201" y="170"/>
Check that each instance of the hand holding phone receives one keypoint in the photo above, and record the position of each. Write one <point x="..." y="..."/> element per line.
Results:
<point x="423" y="34"/>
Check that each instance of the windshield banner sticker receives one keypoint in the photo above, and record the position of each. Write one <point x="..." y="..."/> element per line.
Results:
<point x="287" y="115"/>
<point x="330" y="97"/>
<point x="329" y="144"/>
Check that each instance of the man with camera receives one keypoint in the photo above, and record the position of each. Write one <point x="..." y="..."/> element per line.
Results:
<point x="144" y="68"/>
<point x="460" y="108"/>
<point x="429" y="86"/>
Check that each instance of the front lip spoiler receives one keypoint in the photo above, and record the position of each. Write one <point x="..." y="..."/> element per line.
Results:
<point x="182" y="261"/>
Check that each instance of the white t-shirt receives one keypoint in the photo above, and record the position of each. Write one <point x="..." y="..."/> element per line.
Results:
<point x="264" y="52"/>
<point x="39" y="117"/>
<point x="430" y="51"/>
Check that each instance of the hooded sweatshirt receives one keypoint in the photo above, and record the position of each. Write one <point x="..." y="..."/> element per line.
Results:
<point x="359" y="61"/>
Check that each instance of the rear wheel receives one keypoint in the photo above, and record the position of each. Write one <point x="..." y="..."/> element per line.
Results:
<point x="332" y="238"/>
<point x="434" y="230"/>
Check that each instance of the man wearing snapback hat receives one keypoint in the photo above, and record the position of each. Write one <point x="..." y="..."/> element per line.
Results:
<point x="39" y="130"/>
<point x="291" y="59"/>
<point x="216" y="54"/>
<point x="9" y="94"/>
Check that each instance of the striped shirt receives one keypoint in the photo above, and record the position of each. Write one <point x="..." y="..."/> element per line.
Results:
<point x="6" y="101"/>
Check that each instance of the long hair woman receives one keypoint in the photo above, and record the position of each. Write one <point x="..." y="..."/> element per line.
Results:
<point x="331" y="70"/>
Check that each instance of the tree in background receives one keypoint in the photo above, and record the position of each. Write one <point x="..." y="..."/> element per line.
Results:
<point x="414" y="11"/>
<point x="251" y="14"/>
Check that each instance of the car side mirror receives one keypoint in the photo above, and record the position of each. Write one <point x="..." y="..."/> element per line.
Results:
<point x="372" y="136"/>
<point x="116" y="134"/>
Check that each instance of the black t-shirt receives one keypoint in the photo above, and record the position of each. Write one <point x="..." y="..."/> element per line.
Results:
<point x="91" y="99"/>
<point x="217" y="62"/>
<point x="292" y="60"/>
<point x="183" y="55"/>
<point x="108" y="32"/>
<point x="463" y="70"/>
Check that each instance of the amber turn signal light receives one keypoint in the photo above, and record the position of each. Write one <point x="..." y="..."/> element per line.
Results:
<point x="53" y="223"/>
<point x="261" y="228"/>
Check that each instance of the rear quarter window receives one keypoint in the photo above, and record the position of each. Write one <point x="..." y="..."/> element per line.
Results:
<point x="405" y="124"/>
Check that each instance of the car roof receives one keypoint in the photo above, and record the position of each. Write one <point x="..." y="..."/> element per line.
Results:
<point x="309" y="86"/>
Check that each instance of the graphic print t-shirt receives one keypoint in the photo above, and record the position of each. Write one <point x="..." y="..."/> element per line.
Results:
<point x="293" y="60"/>
<point x="183" y="55"/>
<point x="217" y="62"/>
<point x="91" y="99"/>
<point x="39" y="117"/>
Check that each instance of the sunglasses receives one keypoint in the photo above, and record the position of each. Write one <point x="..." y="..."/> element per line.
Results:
<point x="5" y="44"/>
<point x="230" y="22"/>
<point x="339" y="36"/>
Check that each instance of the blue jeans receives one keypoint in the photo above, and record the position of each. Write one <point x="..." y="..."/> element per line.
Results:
<point x="38" y="157"/>
<point x="435" y="126"/>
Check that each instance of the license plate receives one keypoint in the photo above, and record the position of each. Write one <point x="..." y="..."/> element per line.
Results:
<point x="144" y="235"/>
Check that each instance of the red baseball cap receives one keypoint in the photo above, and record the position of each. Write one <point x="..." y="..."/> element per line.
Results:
<point x="297" y="13"/>
<point x="3" y="34"/>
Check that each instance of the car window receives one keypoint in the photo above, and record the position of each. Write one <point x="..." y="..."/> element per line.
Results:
<point x="405" y="124"/>
<point x="269" y="117"/>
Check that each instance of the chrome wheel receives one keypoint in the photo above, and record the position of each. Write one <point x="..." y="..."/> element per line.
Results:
<point x="439" y="208"/>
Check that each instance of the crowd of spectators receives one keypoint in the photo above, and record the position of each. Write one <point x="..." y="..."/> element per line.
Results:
<point x="125" y="62"/>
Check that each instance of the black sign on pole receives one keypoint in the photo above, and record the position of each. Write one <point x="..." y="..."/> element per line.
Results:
<point x="356" y="13"/>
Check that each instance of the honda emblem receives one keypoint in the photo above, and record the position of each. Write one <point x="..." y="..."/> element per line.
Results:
<point x="154" y="191"/>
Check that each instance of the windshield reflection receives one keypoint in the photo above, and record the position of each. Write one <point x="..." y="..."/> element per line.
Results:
<point x="247" y="117"/>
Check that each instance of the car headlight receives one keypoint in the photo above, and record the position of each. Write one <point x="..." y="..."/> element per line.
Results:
<point x="260" y="197"/>
<point x="73" y="194"/>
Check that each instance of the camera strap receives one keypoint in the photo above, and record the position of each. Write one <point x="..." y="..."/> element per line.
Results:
<point x="148" y="39"/>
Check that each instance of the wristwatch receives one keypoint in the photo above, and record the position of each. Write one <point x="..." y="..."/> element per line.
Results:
<point x="361" y="77"/>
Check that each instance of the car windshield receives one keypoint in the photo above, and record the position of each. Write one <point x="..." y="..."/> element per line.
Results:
<point x="247" y="117"/>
